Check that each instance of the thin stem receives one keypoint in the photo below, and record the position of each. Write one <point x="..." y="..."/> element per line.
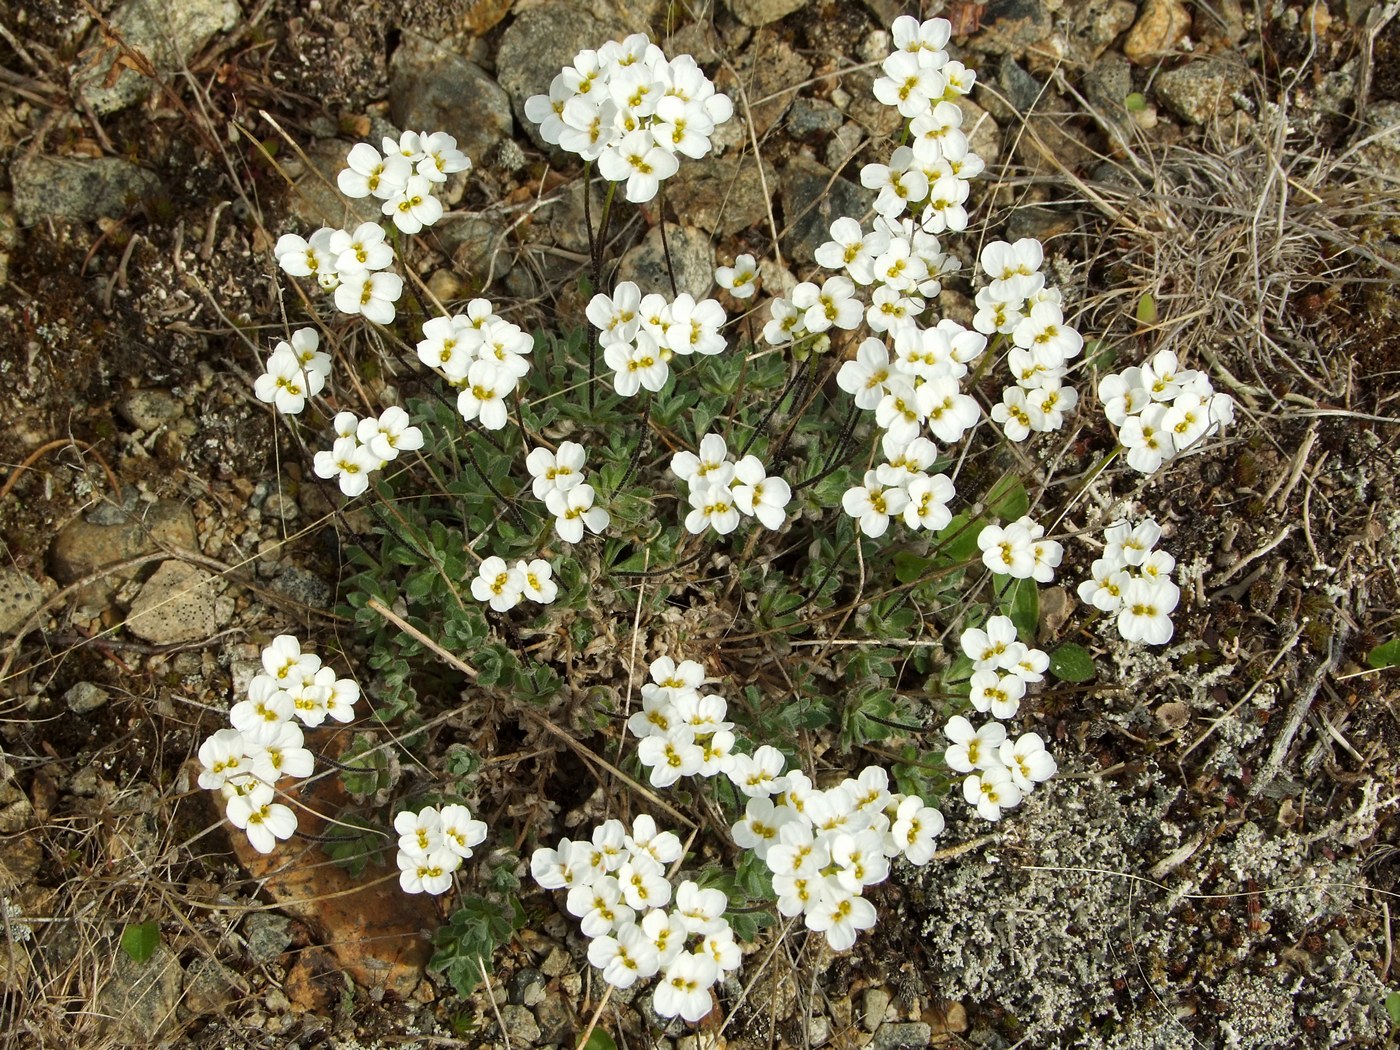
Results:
<point x="665" y="245"/>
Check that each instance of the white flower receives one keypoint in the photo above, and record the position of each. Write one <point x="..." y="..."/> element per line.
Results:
<point x="866" y="377"/>
<point x="834" y="303"/>
<point x="413" y="206"/>
<point x="740" y="280"/>
<point x="1130" y="544"/>
<point x="1027" y="761"/>
<point x="906" y="461"/>
<point x="371" y="294"/>
<point x="710" y="465"/>
<point x="263" y="820"/>
<point x="765" y="498"/>
<point x="1146" y="438"/>
<point x="701" y="911"/>
<point x="760" y="774"/>
<point x="841" y="915"/>
<point x="852" y="249"/>
<point x="599" y="907"/>
<point x="349" y="462"/>
<point x="947" y="409"/>
<point x="641" y="162"/>
<point x="937" y="133"/>
<point x="224" y="759"/>
<point x="370" y="174"/>
<point x="900" y="410"/>
<point x="625" y="958"/>
<point x="928" y="502"/>
<point x="1013" y="414"/>
<point x="1123" y="394"/>
<point x="1104" y="590"/>
<point x="483" y="396"/>
<point x="642" y="887"/>
<point x="419" y="833"/>
<point x="498" y="584"/>
<point x="713" y="505"/>
<point x="925" y="40"/>
<point x="299" y="257"/>
<point x="1008" y="551"/>
<point x="390" y="434"/>
<point x="1047" y="403"/>
<point x="898" y="184"/>
<point x="277" y="750"/>
<point x="267" y="702"/>
<point x="991" y="791"/>
<point x="873" y="504"/>
<point x="441" y="157"/>
<point x="695" y="327"/>
<point x="560" y="470"/>
<point x="915" y="827"/>
<point x="286" y="383"/>
<point x="1000" y="694"/>
<point x="759" y="828"/>
<point x="364" y="249"/>
<point x="991" y="648"/>
<point x="786" y="324"/>
<point x="562" y="867"/>
<point x="617" y="316"/>
<point x="663" y="847"/>
<point x="972" y="749"/>
<point x="539" y="583"/>
<point x="908" y="85"/>
<point x="1145" y="615"/>
<point x="684" y="989"/>
<point x="860" y="859"/>
<point x="636" y="365"/>
<point x="573" y="510"/>
<point x="427" y="874"/>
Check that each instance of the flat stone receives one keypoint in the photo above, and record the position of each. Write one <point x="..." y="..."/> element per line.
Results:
<point x="538" y="44"/>
<point x="20" y="598"/>
<point x="1098" y="23"/>
<point x="478" y="245"/>
<point x="304" y="587"/>
<point x="177" y="604"/>
<point x="692" y="259"/>
<point x="210" y="986"/>
<point x="167" y="35"/>
<point x="527" y="987"/>
<point x="898" y="1036"/>
<point x="267" y="935"/>
<point x="82" y="548"/>
<point x="138" y="1002"/>
<point x="1160" y="28"/>
<point x="314" y="981"/>
<point x="874" y="1004"/>
<point x="761" y="12"/>
<point x="724" y="194"/>
<point x="85" y="697"/>
<point x="432" y="88"/>
<point x="812" y="117"/>
<point x="1012" y="26"/>
<point x="520" y="1025"/>
<point x="1109" y="82"/>
<point x="1200" y="91"/>
<point x="76" y="189"/>
<point x="811" y="201"/>
<point x="150" y="409"/>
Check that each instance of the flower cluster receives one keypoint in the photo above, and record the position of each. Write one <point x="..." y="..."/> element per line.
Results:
<point x="1161" y="409"/>
<point x="484" y="356"/>
<point x="632" y="110"/>
<point x="1000" y="771"/>
<point x="295" y="371"/>
<point x="558" y="480"/>
<point x="1017" y="303"/>
<point x="640" y="334"/>
<point x="503" y="586"/>
<point x="1134" y="581"/>
<point x="432" y="845"/>
<point x="363" y="446"/>
<point x="682" y="732"/>
<point x="405" y="176"/>
<point x="1020" y="551"/>
<point x="350" y="263"/>
<point x="824" y="847"/>
<point x="722" y="491"/>
<point x="618" y="890"/>
<point x="901" y="485"/>
<point x="918" y="75"/>
<point x="264" y="742"/>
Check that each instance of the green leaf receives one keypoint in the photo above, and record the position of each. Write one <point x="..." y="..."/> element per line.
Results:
<point x="1135" y="102"/>
<point x="352" y="842"/>
<point x="1072" y="663"/>
<point x="1007" y="500"/>
<point x="139" y="940"/>
<point x="957" y="542"/>
<point x="1147" y="309"/>
<point x="599" y="1040"/>
<point x="1022" y="604"/>
<point x="1387" y="654"/>
<point x="1392" y="1007"/>
<point x="908" y="567"/>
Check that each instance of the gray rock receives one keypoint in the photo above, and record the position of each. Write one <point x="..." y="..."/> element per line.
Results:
<point x="1381" y="135"/>
<point x="812" y="199"/>
<point x="983" y="135"/>
<point x="150" y="409"/>
<point x="723" y="194"/>
<point x="1200" y="91"/>
<point x="873" y="1005"/>
<point x="267" y="935"/>
<point x="1044" y="224"/>
<point x="1097" y="23"/>
<point x="167" y="35"/>
<point x="85" y="697"/>
<point x="555" y="1018"/>
<point x="304" y="587"/>
<point x="478" y="244"/>
<point x="1012" y="26"/>
<point x="81" y="548"/>
<point x="111" y="512"/>
<point x="316" y="201"/>
<point x="1021" y="89"/>
<point x="811" y="117"/>
<point x="177" y="604"/>
<point x="209" y="986"/>
<point x="567" y="220"/>
<point x="432" y="88"/>
<point x="527" y="987"/>
<point x="692" y="259"/>
<point x="843" y="145"/>
<point x="761" y="12"/>
<point x="520" y="1025"/>
<point x="538" y="44"/>
<point x="78" y="190"/>
<point x="1108" y="82"/>
<point x="896" y="1036"/>
<point x="20" y="598"/>
<point x="138" y="1003"/>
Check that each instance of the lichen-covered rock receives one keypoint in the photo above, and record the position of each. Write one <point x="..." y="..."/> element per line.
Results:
<point x="692" y="261"/>
<point x="20" y="597"/>
<point x="81" y="548"/>
<point x="432" y="88"/>
<point x="1160" y="27"/>
<point x="166" y="35"/>
<point x="138" y="1003"/>
<point x="1199" y="91"/>
<point x="812" y="198"/>
<point x="761" y="12"/>
<point x="179" y="603"/>
<point x="724" y="195"/>
<point x="74" y="189"/>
